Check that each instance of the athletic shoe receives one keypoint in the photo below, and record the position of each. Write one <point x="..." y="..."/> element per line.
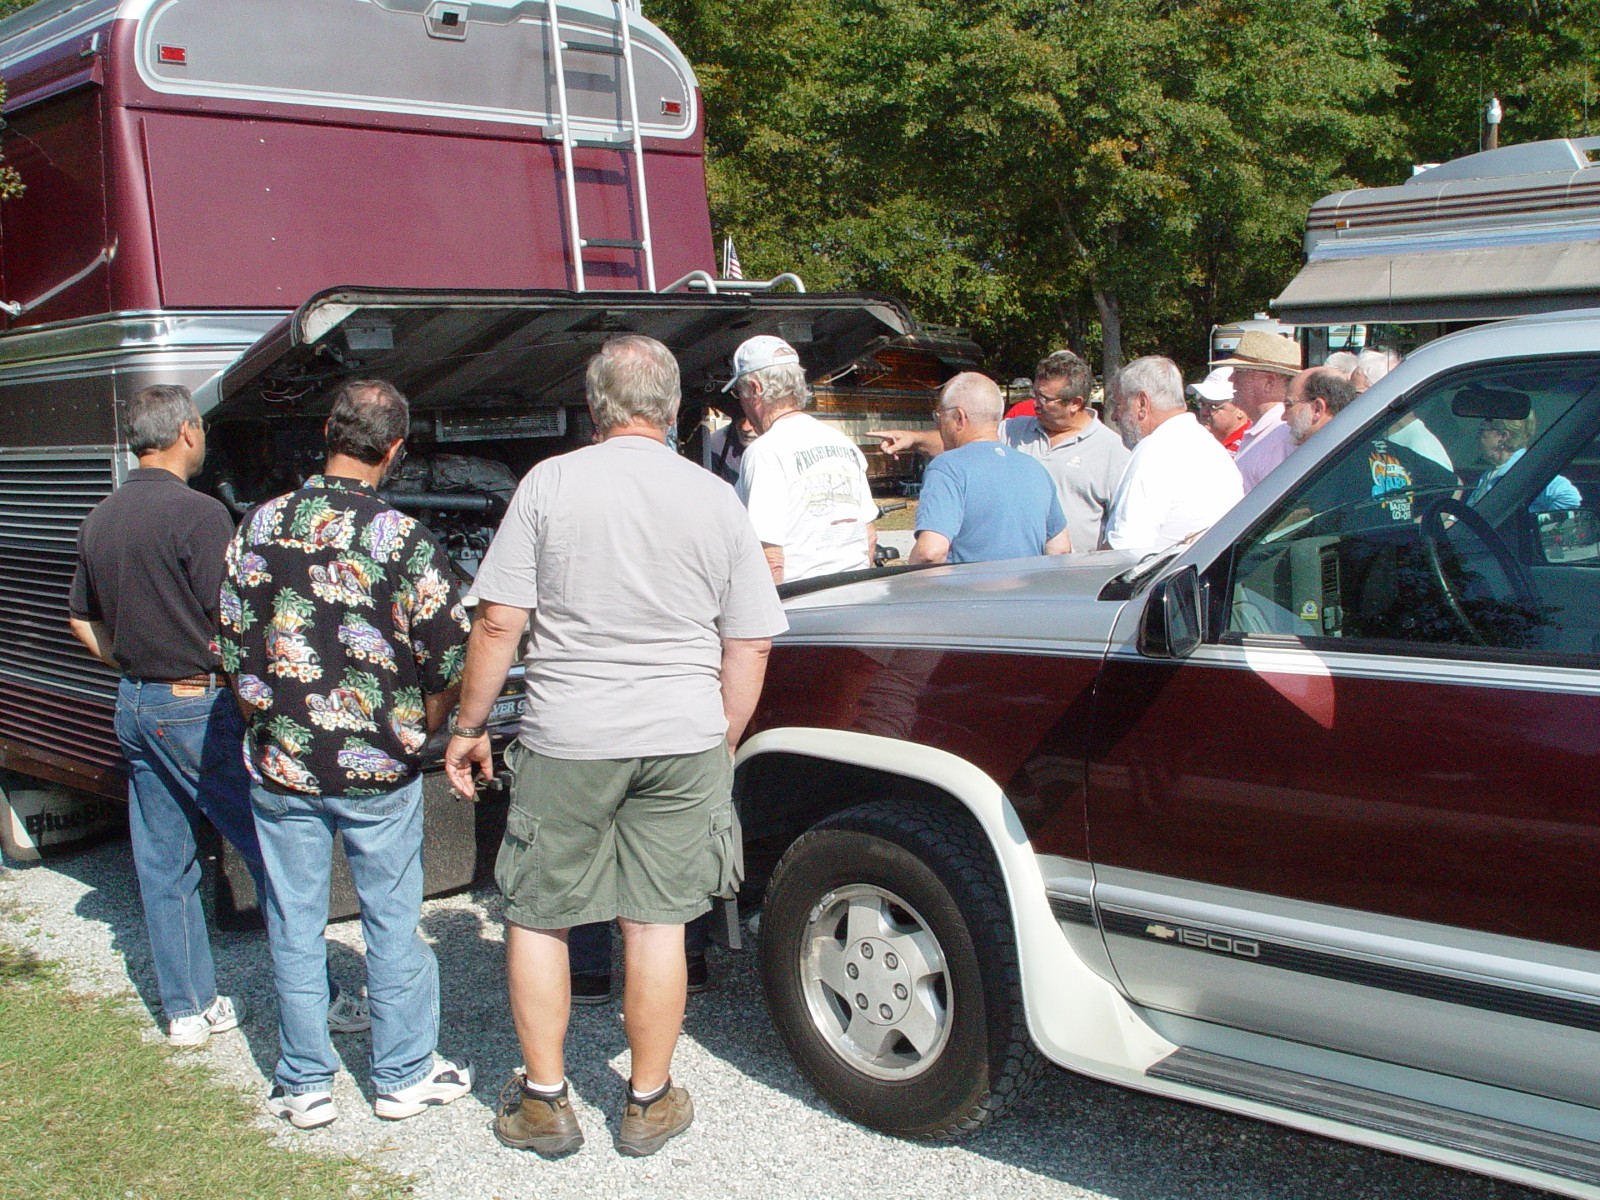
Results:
<point x="221" y="1015"/>
<point x="449" y="1081"/>
<point x="646" y="1127"/>
<point x="591" y="989"/>
<point x="529" y="1122"/>
<point x="303" y="1110"/>
<point x="349" y="1013"/>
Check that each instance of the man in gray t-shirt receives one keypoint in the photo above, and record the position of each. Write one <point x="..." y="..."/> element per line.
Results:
<point x="652" y="614"/>
<point x="1084" y="459"/>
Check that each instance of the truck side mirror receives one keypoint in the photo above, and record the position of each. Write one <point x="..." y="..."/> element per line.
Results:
<point x="1172" y="625"/>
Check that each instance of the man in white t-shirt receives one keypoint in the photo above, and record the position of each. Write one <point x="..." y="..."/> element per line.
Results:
<point x="804" y="484"/>
<point x="1179" y="480"/>
<point x="652" y="616"/>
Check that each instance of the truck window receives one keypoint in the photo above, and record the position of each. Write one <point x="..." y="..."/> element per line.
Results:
<point x="1464" y="523"/>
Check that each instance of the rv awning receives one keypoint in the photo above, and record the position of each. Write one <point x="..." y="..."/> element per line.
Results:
<point x="1468" y="284"/>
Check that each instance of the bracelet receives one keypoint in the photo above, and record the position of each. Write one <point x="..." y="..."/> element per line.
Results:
<point x="467" y="731"/>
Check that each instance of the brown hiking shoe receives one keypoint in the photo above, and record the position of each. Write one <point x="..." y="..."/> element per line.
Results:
<point x="646" y="1128"/>
<point x="528" y="1122"/>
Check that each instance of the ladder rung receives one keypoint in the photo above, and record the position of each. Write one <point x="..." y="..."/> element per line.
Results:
<point x="600" y="141"/>
<point x="593" y="47"/>
<point x="612" y="244"/>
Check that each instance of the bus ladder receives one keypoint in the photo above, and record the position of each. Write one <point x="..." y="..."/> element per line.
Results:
<point x="626" y="140"/>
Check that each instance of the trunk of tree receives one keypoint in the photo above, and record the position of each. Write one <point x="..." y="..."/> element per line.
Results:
<point x="1110" y="333"/>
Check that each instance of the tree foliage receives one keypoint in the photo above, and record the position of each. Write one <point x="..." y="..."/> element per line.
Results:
<point x="1117" y="175"/>
<point x="11" y="183"/>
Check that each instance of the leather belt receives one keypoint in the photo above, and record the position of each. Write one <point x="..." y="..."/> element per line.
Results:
<point x="212" y="679"/>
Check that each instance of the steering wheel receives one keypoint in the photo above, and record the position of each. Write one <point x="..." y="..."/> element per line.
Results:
<point x="1434" y="536"/>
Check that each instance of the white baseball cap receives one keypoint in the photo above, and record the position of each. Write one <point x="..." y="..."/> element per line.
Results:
<point x="1216" y="387"/>
<point x="759" y="353"/>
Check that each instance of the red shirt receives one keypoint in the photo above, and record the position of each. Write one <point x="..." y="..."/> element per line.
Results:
<point x="1232" y="444"/>
<point x="1023" y="408"/>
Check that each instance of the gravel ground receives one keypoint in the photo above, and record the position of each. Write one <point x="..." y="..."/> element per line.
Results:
<point x="760" y="1130"/>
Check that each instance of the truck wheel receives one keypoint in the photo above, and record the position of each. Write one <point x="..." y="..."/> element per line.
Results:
<point x="890" y="967"/>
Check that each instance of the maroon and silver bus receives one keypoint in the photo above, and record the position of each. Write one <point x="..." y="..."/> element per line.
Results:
<point x="258" y="200"/>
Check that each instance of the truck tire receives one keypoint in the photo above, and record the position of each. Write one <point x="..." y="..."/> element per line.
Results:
<point x="890" y="968"/>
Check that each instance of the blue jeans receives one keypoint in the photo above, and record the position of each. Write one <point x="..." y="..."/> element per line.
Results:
<point x="383" y="843"/>
<point x="186" y="764"/>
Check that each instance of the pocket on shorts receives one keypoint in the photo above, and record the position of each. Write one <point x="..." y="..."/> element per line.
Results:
<point x="516" y="867"/>
<point x="727" y="847"/>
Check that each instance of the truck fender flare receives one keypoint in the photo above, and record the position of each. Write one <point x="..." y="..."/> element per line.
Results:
<point x="1075" y="1016"/>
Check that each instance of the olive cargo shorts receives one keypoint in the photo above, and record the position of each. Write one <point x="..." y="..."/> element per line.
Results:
<point x="650" y="839"/>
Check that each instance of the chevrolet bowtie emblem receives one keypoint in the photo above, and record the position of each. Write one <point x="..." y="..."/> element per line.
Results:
<point x="1161" y="931"/>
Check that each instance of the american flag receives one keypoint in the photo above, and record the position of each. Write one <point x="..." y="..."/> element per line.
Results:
<point x="730" y="261"/>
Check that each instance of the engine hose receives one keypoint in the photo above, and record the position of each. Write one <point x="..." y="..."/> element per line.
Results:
<point x="442" y="502"/>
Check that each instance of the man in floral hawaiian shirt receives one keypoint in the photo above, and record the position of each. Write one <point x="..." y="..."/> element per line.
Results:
<point x="345" y="641"/>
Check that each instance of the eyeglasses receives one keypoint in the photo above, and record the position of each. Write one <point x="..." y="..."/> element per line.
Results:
<point x="939" y="412"/>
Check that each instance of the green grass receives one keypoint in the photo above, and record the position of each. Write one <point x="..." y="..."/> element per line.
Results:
<point x="89" y="1111"/>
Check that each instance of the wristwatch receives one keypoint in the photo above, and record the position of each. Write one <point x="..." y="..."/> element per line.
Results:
<point x="467" y="731"/>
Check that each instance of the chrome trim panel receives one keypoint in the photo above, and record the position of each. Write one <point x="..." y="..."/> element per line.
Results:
<point x="1469" y="956"/>
<point x="1428" y="1087"/>
<point x="1570" y="1157"/>
<point x="1282" y="659"/>
<point x="124" y="332"/>
<point x="1069" y="889"/>
<point x="1579" y="1013"/>
<point x="577" y="17"/>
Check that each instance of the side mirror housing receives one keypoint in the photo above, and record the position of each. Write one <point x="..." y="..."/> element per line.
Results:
<point x="1173" y="623"/>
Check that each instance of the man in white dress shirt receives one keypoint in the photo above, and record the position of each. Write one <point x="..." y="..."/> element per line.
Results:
<point x="1179" y="479"/>
<point x="1264" y="364"/>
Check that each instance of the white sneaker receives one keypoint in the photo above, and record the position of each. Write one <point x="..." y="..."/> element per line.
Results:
<point x="449" y="1081"/>
<point x="303" y="1110"/>
<point x="349" y="1013"/>
<point x="222" y="1015"/>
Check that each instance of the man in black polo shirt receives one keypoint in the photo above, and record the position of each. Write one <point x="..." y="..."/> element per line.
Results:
<point x="144" y="601"/>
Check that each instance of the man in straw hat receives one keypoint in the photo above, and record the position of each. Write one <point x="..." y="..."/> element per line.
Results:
<point x="1264" y="364"/>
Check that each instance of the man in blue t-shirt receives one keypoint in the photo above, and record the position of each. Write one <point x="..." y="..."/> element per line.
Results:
<point x="982" y="500"/>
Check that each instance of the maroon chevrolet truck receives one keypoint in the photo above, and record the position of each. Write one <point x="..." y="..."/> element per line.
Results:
<point x="1301" y="821"/>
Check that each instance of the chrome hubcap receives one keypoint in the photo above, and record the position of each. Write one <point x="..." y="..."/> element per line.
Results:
<point x="876" y="982"/>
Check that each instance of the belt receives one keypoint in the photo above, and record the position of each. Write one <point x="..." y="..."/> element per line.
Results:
<point x="212" y="679"/>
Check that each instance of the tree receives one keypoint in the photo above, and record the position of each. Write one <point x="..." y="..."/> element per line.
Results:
<point x="1538" y="56"/>
<point x="1110" y="173"/>
<point x="10" y="182"/>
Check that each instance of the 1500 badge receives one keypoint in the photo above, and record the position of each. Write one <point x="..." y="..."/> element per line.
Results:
<point x="1201" y="939"/>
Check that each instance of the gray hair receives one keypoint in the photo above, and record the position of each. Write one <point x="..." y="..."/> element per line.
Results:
<point x="633" y="378"/>
<point x="1343" y="362"/>
<point x="156" y="416"/>
<point x="1157" y="377"/>
<point x="783" y="385"/>
<point x="975" y="394"/>
<point x="1375" y="364"/>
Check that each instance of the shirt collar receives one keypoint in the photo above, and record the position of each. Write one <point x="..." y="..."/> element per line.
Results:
<point x="338" y="483"/>
<point x="154" y="475"/>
